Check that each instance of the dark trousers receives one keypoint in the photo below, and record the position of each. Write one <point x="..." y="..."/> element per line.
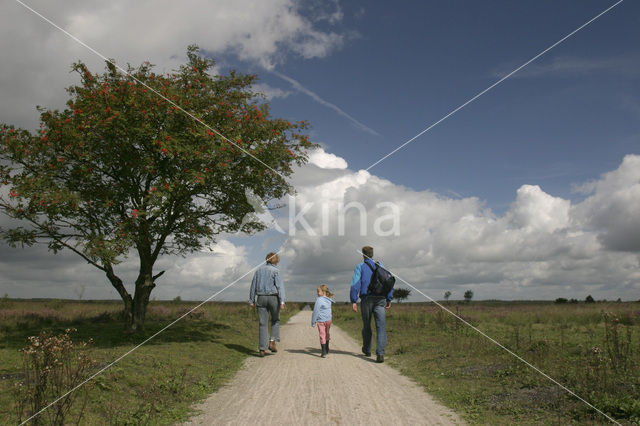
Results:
<point x="373" y="306"/>
<point x="268" y="306"/>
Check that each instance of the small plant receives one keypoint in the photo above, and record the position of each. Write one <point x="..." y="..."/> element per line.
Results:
<point x="5" y="302"/>
<point x="53" y="365"/>
<point x="618" y="346"/>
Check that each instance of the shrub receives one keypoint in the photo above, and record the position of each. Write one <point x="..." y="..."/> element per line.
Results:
<point x="5" y="302"/>
<point x="468" y="295"/>
<point x="53" y="365"/>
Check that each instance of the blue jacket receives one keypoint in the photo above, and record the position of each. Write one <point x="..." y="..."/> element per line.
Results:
<point x="321" y="310"/>
<point x="266" y="280"/>
<point x="361" y="279"/>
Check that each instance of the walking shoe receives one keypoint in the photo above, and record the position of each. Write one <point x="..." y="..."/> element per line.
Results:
<point x="261" y="354"/>
<point x="365" y="352"/>
<point x="272" y="346"/>
<point x="380" y="358"/>
<point x="324" y="350"/>
<point x="327" y="344"/>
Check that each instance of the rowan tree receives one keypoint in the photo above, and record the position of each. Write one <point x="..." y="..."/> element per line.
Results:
<point x="122" y="171"/>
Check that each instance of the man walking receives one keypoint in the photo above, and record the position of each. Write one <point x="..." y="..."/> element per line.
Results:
<point x="267" y="293"/>
<point x="370" y="305"/>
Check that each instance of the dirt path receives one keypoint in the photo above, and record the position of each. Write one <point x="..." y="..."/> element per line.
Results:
<point x="296" y="386"/>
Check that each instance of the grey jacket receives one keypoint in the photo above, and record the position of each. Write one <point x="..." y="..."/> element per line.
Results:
<point x="267" y="280"/>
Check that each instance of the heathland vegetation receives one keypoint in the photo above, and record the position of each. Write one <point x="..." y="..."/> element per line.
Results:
<point x="591" y="348"/>
<point x="156" y="384"/>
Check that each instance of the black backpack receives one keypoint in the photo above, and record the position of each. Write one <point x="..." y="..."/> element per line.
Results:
<point x="382" y="281"/>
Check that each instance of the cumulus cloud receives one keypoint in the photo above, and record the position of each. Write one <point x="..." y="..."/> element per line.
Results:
<point x="542" y="247"/>
<point x="326" y="160"/>
<point x="36" y="57"/>
<point x="34" y="272"/>
<point x="613" y="208"/>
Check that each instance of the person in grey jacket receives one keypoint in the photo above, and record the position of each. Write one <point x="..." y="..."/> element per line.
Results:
<point x="322" y="316"/>
<point x="267" y="294"/>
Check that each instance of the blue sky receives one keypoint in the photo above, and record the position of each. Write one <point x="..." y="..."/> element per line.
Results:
<point x="568" y="117"/>
<point x="529" y="192"/>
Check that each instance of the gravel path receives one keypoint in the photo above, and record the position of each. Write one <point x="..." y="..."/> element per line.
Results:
<point x="296" y="386"/>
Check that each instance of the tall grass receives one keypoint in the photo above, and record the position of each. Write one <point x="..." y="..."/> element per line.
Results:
<point x="592" y="349"/>
<point x="156" y="384"/>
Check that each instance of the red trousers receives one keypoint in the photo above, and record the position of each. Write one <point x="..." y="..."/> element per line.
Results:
<point x="323" y="331"/>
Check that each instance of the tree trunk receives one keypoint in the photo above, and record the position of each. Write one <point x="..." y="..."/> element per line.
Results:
<point x="144" y="286"/>
<point x="116" y="282"/>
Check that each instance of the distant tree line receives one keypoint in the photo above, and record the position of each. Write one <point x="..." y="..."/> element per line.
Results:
<point x="588" y="299"/>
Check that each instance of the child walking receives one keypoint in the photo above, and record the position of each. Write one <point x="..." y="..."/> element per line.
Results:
<point x="322" y="316"/>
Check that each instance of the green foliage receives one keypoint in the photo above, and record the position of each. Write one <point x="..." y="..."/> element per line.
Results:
<point x="121" y="169"/>
<point x="401" y="294"/>
<point x="589" y="299"/>
<point x="468" y="295"/>
<point x="120" y="164"/>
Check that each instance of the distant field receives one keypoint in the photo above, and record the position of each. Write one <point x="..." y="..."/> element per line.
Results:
<point x="157" y="383"/>
<point x="593" y="349"/>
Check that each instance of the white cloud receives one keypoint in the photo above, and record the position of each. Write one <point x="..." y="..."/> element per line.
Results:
<point x="534" y="210"/>
<point x="326" y="160"/>
<point x="270" y="92"/>
<point x="542" y="247"/>
<point x="613" y="209"/>
<point x="36" y="57"/>
<point x="626" y="65"/>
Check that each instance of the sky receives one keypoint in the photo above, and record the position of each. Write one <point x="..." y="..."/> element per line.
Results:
<point x="530" y="191"/>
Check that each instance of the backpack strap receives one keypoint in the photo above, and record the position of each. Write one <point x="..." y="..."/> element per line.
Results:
<point x="370" y="267"/>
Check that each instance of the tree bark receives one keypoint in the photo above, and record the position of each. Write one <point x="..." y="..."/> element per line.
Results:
<point x="116" y="282"/>
<point x="144" y="285"/>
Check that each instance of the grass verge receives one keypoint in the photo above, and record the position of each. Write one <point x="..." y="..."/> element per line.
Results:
<point x="592" y="349"/>
<point x="156" y="384"/>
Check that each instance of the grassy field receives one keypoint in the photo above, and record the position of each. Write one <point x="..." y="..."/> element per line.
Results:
<point x="592" y="349"/>
<point x="158" y="382"/>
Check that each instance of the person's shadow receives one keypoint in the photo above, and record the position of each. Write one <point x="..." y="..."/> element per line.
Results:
<point x="240" y="348"/>
<point x="316" y="352"/>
